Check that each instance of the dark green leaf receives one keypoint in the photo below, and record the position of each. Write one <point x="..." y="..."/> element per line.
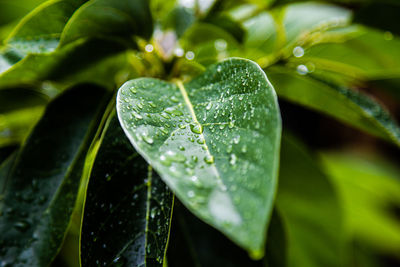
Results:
<point x="100" y="18"/>
<point x="310" y="209"/>
<point x="96" y="61"/>
<point x="128" y="208"/>
<point x="344" y="104"/>
<point x="214" y="141"/>
<point x="42" y="186"/>
<point x="194" y="243"/>
<point x="34" y="34"/>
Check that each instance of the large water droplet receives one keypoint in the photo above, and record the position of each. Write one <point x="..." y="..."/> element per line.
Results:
<point x="298" y="51"/>
<point x="209" y="159"/>
<point x="196" y="128"/>
<point x="302" y="69"/>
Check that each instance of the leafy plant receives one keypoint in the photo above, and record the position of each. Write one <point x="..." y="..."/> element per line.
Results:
<point x="148" y="133"/>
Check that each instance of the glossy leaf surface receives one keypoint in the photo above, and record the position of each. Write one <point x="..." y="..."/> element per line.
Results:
<point x="128" y="207"/>
<point x="34" y="34"/>
<point x="105" y="18"/>
<point x="347" y="105"/>
<point x="310" y="209"/>
<point x="41" y="188"/>
<point x="214" y="141"/>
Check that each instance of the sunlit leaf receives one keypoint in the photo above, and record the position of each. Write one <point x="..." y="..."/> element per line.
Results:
<point x="127" y="209"/>
<point x="214" y="141"/>
<point x="349" y="106"/>
<point x="41" y="188"/>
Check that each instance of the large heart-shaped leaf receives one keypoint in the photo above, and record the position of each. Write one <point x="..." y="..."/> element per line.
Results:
<point x="127" y="209"/>
<point x="310" y="209"/>
<point x="99" y="18"/>
<point x="41" y="187"/>
<point x="349" y="106"/>
<point x="214" y="141"/>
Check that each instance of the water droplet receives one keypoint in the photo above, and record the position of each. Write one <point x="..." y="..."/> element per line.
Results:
<point x="298" y="51"/>
<point x="181" y="148"/>
<point x="209" y="159"/>
<point x="196" y="128"/>
<point x="302" y="69"/>
<point x="190" y="193"/>
<point x="189" y="55"/>
<point x="149" y="48"/>
<point x="147" y="139"/>
<point x="133" y="90"/>
<point x="22" y="226"/>
<point x="236" y="139"/>
<point x="220" y="44"/>
<point x="209" y="105"/>
<point x="137" y="116"/>
<point x="233" y="159"/>
<point x="179" y="52"/>
<point x="173" y="111"/>
<point x="174" y="99"/>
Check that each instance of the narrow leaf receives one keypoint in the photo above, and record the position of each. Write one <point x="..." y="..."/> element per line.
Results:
<point x="104" y="18"/>
<point x="128" y="208"/>
<point x="42" y="186"/>
<point x="349" y="106"/>
<point x="214" y="141"/>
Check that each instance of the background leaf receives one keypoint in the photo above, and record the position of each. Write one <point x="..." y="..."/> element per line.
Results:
<point x="106" y="18"/>
<point x="194" y="243"/>
<point x="41" y="188"/>
<point x="214" y="141"/>
<point x="127" y="209"/>
<point x="347" y="105"/>
<point x="310" y="209"/>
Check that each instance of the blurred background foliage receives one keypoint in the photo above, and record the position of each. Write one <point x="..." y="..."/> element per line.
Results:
<point x="339" y="192"/>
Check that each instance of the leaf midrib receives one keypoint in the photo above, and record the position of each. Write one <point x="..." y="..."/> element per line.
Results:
<point x="194" y="117"/>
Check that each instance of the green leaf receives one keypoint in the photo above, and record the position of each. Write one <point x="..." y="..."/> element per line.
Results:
<point x="310" y="209"/>
<point x="349" y="106"/>
<point x="214" y="141"/>
<point x="369" y="188"/>
<point x="34" y="33"/>
<point x="346" y="56"/>
<point x="97" y="61"/>
<point x="105" y="18"/>
<point x="127" y="209"/>
<point x="42" y="186"/>
<point x="194" y="243"/>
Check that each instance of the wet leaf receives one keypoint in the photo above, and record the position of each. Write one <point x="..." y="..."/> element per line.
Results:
<point x="349" y="106"/>
<point x="105" y="18"/>
<point x="310" y="209"/>
<point x="128" y="207"/>
<point x="42" y="186"/>
<point x="214" y="141"/>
